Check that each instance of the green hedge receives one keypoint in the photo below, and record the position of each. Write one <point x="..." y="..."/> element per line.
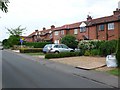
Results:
<point x="30" y="50"/>
<point x="118" y="53"/>
<point x="102" y="48"/>
<point x="62" y="55"/>
<point x="36" y="44"/>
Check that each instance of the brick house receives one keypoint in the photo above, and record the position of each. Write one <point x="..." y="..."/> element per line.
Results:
<point x="104" y="28"/>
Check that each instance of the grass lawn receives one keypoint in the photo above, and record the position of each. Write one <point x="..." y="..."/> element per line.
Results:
<point x="115" y="72"/>
<point x="35" y="54"/>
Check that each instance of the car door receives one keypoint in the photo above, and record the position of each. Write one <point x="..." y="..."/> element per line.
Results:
<point x="65" y="48"/>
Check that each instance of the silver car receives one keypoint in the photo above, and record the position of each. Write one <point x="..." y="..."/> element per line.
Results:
<point x="56" y="48"/>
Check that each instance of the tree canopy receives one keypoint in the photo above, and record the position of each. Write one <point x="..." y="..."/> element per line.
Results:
<point x="4" y="5"/>
<point x="16" y="31"/>
<point x="70" y="41"/>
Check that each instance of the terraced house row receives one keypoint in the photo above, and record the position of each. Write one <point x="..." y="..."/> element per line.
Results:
<point x="104" y="28"/>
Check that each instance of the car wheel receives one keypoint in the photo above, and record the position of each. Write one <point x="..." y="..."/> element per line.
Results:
<point x="71" y="51"/>
<point x="56" y="52"/>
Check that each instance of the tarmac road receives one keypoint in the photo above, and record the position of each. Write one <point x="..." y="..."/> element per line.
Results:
<point x="21" y="72"/>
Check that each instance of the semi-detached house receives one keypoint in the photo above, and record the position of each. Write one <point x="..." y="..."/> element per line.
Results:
<point x="104" y="28"/>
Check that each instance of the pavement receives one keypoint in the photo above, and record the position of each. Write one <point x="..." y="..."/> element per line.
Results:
<point x="86" y="68"/>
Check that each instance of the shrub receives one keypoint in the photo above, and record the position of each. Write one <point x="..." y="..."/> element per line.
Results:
<point x="118" y="53"/>
<point x="108" y="47"/>
<point x="36" y="44"/>
<point x="61" y="55"/>
<point x="30" y="50"/>
<point x="87" y="53"/>
<point x="70" y="41"/>
<point x="95" y="52"/>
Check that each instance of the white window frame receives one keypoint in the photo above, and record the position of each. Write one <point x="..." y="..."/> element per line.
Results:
<point x="62" y="32"/>
<point x="56" y="33"/>
<point x="82" y="29"/>
<point x="75" y="31"/>
<point x="101" y="27"/>
<point x="111" y="26"/>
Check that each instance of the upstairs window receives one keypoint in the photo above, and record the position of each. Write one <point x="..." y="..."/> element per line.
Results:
<point x="62" y="32"/>
<point x="75" y="31"/>
<point x="110" y="26"/>
<point x="101" y="27"/>
<point x="56" y="33"/>
<point x="82" y="29"/>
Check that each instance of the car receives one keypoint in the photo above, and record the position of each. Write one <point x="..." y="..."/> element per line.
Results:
<point x="1" y="47"/>
<point x="56" y="48"/>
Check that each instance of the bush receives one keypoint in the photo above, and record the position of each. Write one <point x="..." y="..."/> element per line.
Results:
<point x="95" y="52"/>
<point x="108" y="47"/>
<point x="36" y="44"/>
<point x="87" y="53"/>
<point x="118" y="53"/>
<point x="70" y="41"/>
<point x="61" y="55"/>
<point x="30" y="50"/>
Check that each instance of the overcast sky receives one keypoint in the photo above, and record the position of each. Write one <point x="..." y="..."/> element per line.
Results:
<point x="36" y="14"/>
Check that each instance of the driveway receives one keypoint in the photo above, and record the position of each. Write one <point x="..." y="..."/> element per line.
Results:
<point x="84" y="62"/>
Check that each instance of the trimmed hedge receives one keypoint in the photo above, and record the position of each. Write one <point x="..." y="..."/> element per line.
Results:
<point x="36" y="44"/>
<point x="118" y="53"/>
<point x="30" y="50"/>
<point x="62" y="55"/>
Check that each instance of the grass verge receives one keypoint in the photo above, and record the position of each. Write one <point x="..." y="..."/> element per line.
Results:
<point x="115" y="72"/>
<point x="35" y="54"/>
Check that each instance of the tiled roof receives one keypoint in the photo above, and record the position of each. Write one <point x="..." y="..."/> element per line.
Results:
<point x="103" y="20"/>
<point x="32" y="34"/>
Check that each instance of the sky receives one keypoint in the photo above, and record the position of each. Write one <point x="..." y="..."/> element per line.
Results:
<point x="36" y="14"/>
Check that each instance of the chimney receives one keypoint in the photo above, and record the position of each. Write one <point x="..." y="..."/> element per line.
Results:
<point x="44" y="28"/>
<point x="117" y="12"/>
<point x="36" y="30"/>
<point x="52" y="27"/>
<point x="89" y="18"/>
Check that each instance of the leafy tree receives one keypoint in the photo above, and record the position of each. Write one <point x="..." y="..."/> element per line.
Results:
<point x="16" y="32"/>
<point x="4" y="6"/>
<point x="14" y="38"/>
<point x="70" y="41"/>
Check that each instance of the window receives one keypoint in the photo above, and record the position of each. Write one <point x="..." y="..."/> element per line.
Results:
<point x="110" y="26"/>
<point x="56" y="32"/>
<point x="50" y="36"/>
<point x="101" y="27"/>
<point x="56" y="41"/>
<point x="62" y="32"/>
<point x="82" y="29"/>
<point x="75" y="31"/>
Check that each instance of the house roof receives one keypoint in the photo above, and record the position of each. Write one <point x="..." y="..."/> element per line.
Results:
<point x="103" y="20"/>
<point x="91" y="22"/>
<point x="32" y="34"/>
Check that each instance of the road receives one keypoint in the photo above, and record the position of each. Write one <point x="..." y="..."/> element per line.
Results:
<point x="21" y="72"/>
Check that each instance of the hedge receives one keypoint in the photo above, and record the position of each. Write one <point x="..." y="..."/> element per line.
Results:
<point x="36" y="44"/>
<point x="62" y="55"/>
<point x="30" y="50"/>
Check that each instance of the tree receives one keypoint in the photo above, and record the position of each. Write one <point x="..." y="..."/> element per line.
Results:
<point x="14" y="38"/>
<point x="16" y="32"/>
<point x="70" y="41"/>
<point x="4" y="6"/>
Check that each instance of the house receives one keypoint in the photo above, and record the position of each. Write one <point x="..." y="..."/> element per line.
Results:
<point x="104" y="28"/>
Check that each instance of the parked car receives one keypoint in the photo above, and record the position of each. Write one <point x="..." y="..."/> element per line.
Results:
<point x="1" y="47"/>
<point x="56" y="48"/>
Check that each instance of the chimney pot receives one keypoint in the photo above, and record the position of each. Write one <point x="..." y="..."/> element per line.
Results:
<point x="89" y="18"/>
<point x="52" y="27"/>
<point x="44" y="28"/>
